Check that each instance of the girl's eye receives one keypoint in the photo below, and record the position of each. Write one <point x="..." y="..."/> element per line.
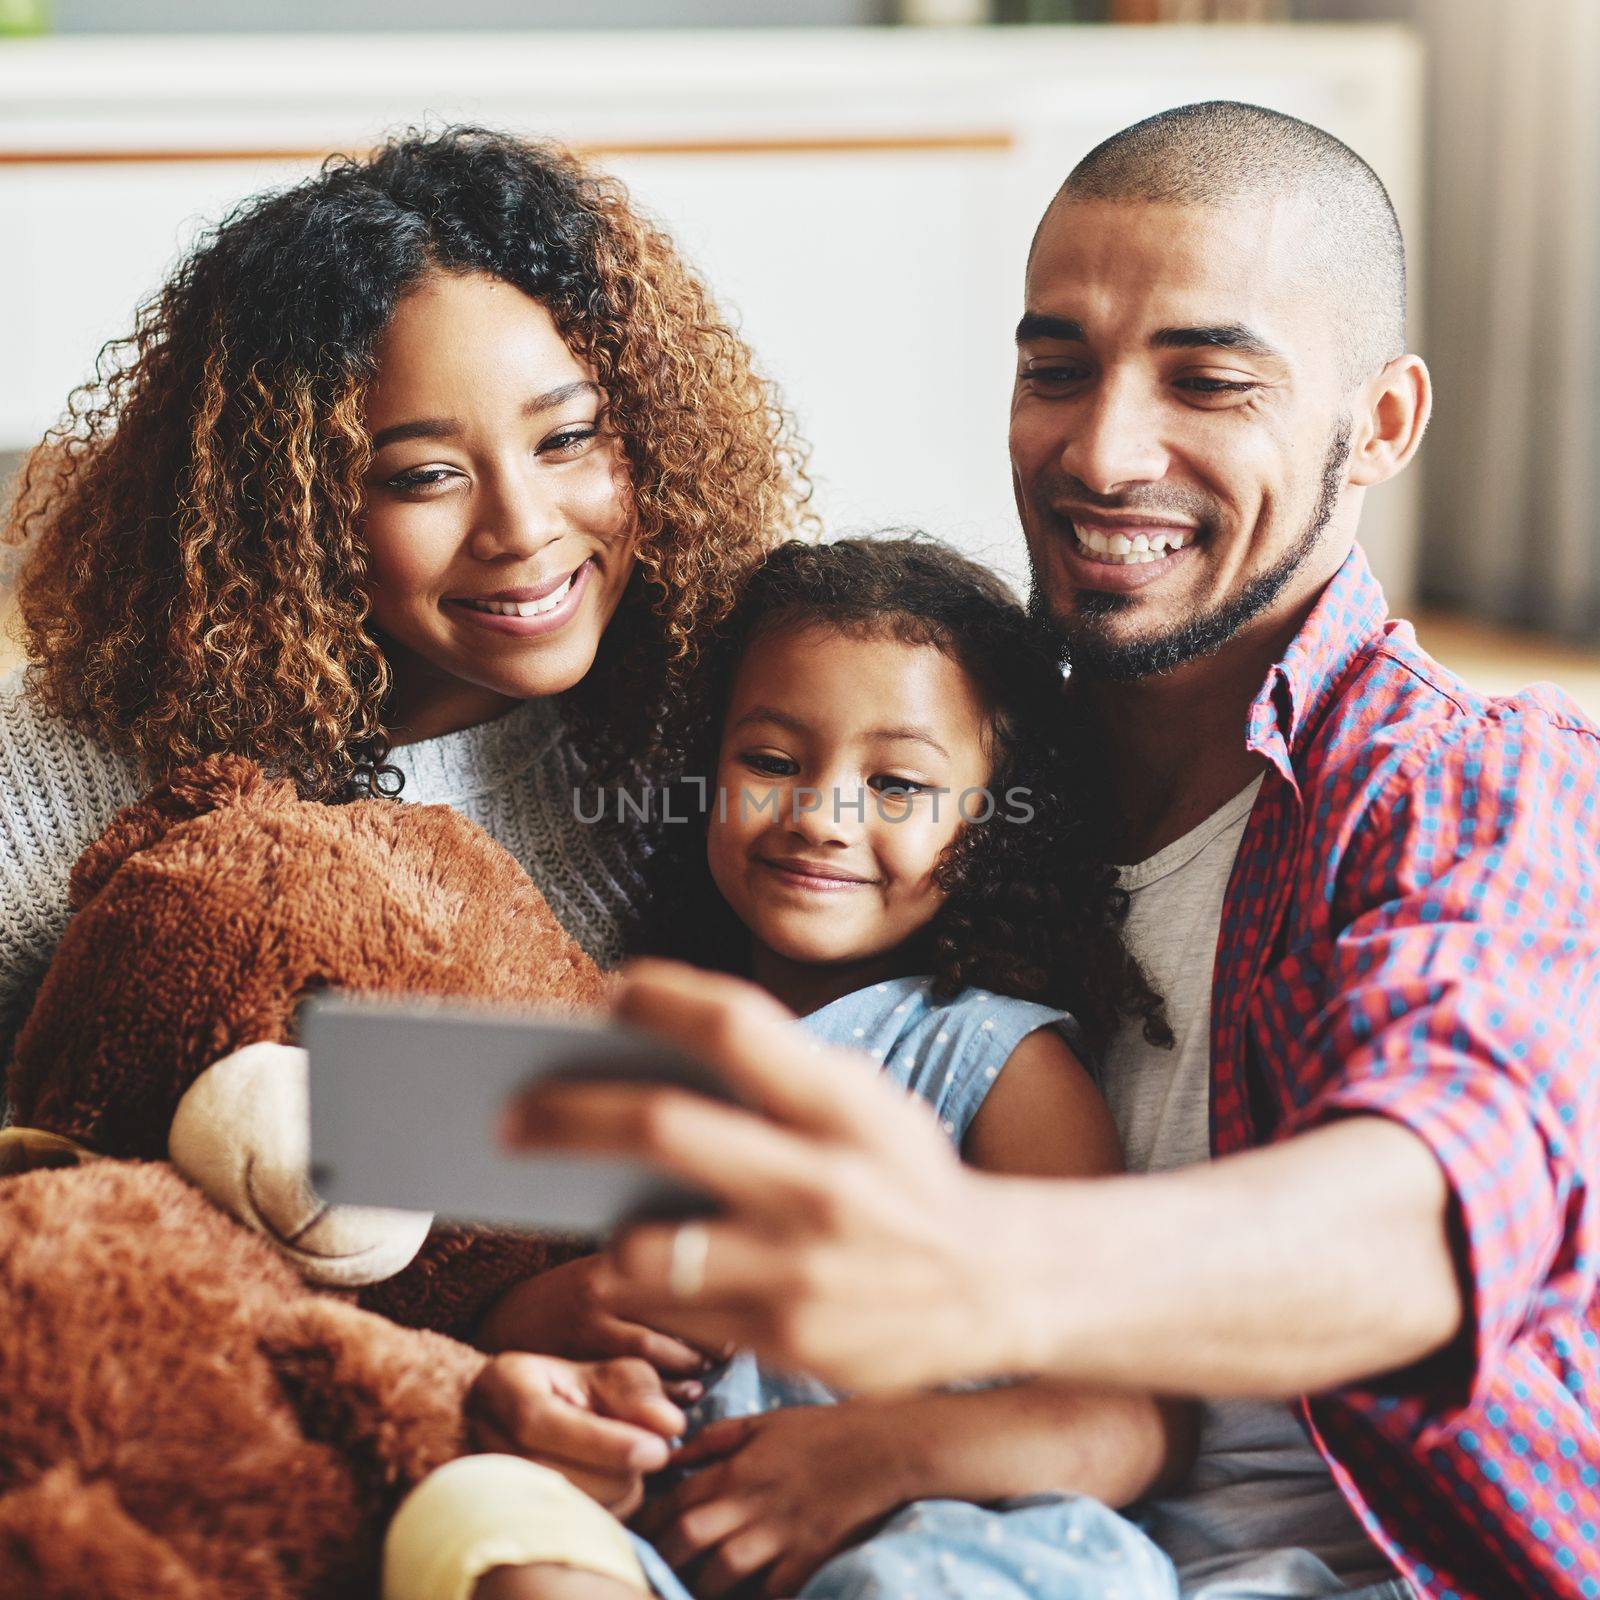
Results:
<point x="887" y="783"/>
<point x="418" y="478"/>
<point x="769" y="766"/>
<point x="569" y="441"/>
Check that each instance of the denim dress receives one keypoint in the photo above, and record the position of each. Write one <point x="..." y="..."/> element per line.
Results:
<point x="1044" y="1547"/>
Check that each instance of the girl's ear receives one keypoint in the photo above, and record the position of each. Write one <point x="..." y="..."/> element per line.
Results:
<point x="188" y="793"/>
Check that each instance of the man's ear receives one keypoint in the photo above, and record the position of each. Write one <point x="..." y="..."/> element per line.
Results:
<point x="188" y="793"/>
<point x="1390" y="416"/>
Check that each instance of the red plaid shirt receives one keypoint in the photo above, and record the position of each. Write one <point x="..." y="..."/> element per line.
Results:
<point x="1412" y="930"/>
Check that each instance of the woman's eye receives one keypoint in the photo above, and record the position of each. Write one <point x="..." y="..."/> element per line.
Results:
<point x="886" y="783"/>
<point x="418" y="478"/>
<point x="569" y="441"/>
<point x="769" y="766"/>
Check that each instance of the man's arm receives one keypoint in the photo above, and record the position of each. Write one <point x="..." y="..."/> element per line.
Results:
<point x="780" y="1493"/>
<point x="1271" y="1274"/>
<point x="854" y="1245"/>
<point x="1033" y="1437"/>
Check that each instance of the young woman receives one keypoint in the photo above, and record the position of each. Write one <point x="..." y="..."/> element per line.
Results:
<point x="425" y="476"/>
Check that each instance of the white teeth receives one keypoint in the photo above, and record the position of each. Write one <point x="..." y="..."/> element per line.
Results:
<point x="523" y="608"/>
<point x="1120" y="550"/>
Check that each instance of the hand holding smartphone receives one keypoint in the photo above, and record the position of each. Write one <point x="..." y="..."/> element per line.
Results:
<point x="406" y="1099"/>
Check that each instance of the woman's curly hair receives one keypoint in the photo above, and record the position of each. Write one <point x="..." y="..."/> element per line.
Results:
<point x="193" y="577"/>
<point x="1032" y="907"/>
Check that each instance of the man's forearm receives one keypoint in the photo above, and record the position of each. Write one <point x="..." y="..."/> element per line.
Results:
<point x="1283" y="1271"/>
<point x="1035" y="1437"/>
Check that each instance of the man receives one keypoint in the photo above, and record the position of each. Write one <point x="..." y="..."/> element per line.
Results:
<point x="1368" y="894"/>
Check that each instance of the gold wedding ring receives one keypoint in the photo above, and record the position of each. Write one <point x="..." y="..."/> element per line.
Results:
<point x="686" y="1267"/>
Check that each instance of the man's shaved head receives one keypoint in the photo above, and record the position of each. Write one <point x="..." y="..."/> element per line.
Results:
<point x="1222" y="153"/>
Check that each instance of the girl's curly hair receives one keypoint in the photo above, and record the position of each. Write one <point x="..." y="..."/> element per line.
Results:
<point x="1033" y="908"/>
<point x="193" y="577"/>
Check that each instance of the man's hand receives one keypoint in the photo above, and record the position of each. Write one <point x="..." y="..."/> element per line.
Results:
<point x="853" y="1243"/>
<point x="603" y="1426"/>
<point x="773" y="1497"/>
<point x="559" y="1313"/>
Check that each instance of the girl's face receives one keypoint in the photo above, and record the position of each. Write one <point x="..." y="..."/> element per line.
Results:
<point x="498" y="513"/>
<point x="842" y="764"/>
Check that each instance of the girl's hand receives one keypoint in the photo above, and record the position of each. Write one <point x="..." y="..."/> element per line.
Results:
<point x="775" y="1496"/>
<point x="559" y="1313"/>
<point x="603" y="1426"/>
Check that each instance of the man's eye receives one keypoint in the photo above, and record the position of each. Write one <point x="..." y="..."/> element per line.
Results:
<point x="1215" y="385"/>
<point x="1054" y="375"/>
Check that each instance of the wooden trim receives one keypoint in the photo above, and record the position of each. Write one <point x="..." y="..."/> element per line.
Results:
<point x="977" y="141"/>
<point x="103" y="158"/>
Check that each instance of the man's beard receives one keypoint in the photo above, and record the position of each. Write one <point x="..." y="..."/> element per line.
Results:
<point x="1090" y="653"/>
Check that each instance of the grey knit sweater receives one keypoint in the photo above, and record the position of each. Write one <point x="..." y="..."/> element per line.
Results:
<point x="515" y="777"/>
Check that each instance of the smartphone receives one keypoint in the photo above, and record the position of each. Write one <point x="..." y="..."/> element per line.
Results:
<point x="406" y="1100"/>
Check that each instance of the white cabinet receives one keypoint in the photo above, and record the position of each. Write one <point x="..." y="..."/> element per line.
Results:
<point x="863" y="200"/>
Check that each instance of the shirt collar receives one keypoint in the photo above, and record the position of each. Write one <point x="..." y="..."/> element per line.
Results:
<point x="1349" y="613"/>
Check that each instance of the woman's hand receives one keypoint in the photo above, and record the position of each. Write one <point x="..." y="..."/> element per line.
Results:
<point x="852" y="1243"/>
<point x="560" y="1313"/>
<point x="775" y="1496"/>
<point x="603" y="1426"/>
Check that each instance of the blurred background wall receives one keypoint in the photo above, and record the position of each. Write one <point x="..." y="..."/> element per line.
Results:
<point x="860" y="189"/>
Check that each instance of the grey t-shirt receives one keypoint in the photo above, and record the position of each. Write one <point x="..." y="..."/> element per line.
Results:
<point x="1260" y="1514"/>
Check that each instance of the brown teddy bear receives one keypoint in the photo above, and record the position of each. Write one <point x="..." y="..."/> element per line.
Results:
<point x="202" y="918"/>
<point x="183" y="1415"/>
<point x="183" y="1418"/>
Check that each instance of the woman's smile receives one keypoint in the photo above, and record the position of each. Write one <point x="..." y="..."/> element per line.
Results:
<point x="529" y="611"/>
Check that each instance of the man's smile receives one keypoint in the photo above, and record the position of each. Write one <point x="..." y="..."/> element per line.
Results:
<point x="1129" y="538"/>
<point x="1123" y="551"/>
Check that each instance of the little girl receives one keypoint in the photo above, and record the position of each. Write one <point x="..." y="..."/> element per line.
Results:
<point x="890" y="834"/>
